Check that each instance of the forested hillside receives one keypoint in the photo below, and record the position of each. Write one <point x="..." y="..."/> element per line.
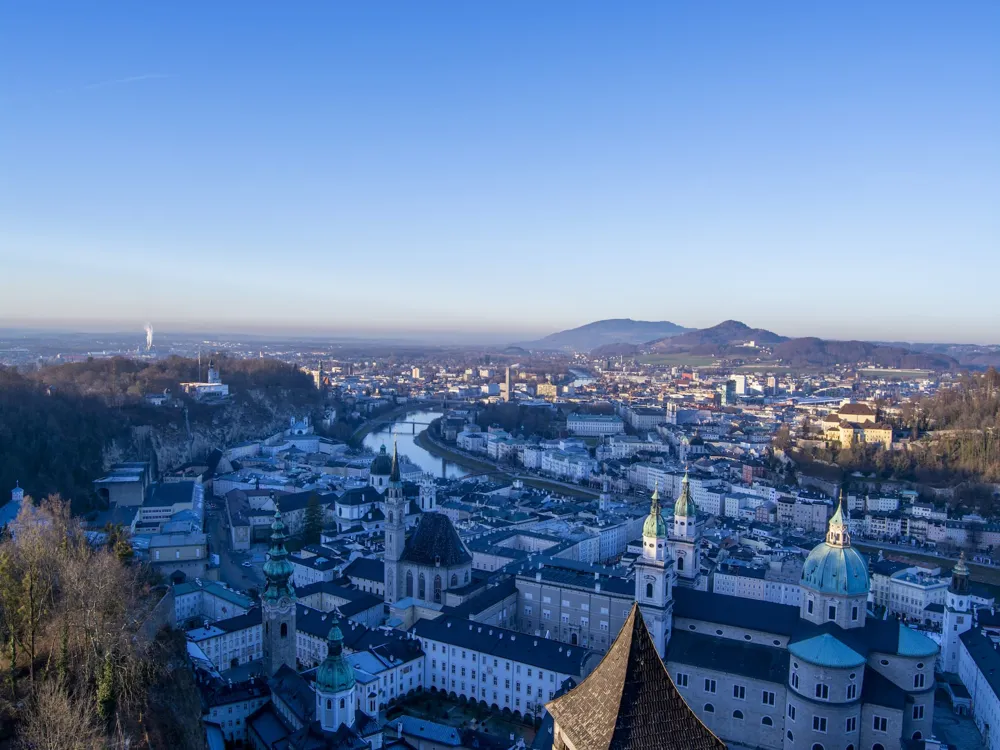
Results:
<point x="60" y="426"/>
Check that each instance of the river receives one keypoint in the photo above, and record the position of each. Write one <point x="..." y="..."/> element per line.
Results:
<point x="404" y="440"/>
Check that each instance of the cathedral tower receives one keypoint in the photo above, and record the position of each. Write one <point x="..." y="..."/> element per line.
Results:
<point x="653" y="574"/>
<point x="685" y="541"/>
<point x="278" y="603"/>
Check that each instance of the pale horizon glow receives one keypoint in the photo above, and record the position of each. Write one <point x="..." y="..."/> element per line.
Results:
<point x="505" y="171"/>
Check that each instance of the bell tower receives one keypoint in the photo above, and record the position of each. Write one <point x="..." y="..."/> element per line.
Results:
<point x="685" y="541"/>
<point x="335" y="704"/>
<point x="278" y="603"/>
<point x="395" y="532"/>
<point x="957" y="615"/>
<point x="654" y="574"/>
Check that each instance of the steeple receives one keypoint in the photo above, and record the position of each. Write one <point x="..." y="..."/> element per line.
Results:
<point x="335" y="683"/>
<point x="394" y="472"/>
<point x="685" y="507"/>
<point x="277" y="569"/>
<point x="838" y="533"/>
<point x="655" y="527"/>
<point x="960" y="576"/>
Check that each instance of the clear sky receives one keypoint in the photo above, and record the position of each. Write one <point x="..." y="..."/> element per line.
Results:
<point x="810" y="167"/>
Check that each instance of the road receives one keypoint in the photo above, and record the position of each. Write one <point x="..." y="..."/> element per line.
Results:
<point x="231" y="570"/>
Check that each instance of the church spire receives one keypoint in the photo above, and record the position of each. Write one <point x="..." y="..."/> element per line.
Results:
<point x="960" y="576"/>
<point x="394" y="473"/>
<point x="278" y="570"/>
<point x="655" y="527"/>
<point x="838" y="532"/>
<point x="685" y="507"/>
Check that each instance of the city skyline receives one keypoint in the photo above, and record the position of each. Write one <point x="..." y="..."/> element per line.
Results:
<point x="518" y="171"/>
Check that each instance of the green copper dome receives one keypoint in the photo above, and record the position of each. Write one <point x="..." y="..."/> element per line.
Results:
<point x="685" y="507"/>
<point x="277" y="569"/>
<point x="834" y="567"/>
<point x="655" y="526"/>
<point x="381" y="465"/>
<point x="334" y="675"/>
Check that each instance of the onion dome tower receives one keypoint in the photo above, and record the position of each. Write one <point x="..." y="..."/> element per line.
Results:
<point x="278" y="603"/>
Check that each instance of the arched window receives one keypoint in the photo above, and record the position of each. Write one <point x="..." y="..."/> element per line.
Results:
<point x="422" y="587"/>
<point x="437" y="589"/>
<point x="284" y="629"/>
<point x="917" y="735"/>
<point x="680" y="563"/>
<point x="851" y="746"/>
<point x="409" y="583"/>
<point x="737" y="714"/>
<point x="329" y="703"/>
<point x="454" y="580"/>
<point x="390" y="516"/>
<point x="709" y="708"/>
<point x="649" y="591"/>
<point x="878" y="746"/>
<point x="342" y="705"/>
<point x="817" y="746"/>
<point x="767" y="721"/>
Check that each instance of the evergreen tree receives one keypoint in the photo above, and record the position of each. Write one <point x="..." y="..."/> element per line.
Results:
<point x="106" y="689"/>
<point x="313" y="520"/>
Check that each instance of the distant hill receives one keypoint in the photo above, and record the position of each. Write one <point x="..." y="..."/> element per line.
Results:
<point x="730" y="337"/>
<point x="804" y="352"/>
<point x="729" y="333"/>
<point x="615" y="350"/>
<point x="602" y="332"/>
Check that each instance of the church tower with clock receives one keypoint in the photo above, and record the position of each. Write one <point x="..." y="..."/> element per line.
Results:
<point x="278" y="604"/>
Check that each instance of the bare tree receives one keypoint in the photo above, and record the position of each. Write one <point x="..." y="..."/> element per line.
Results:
<point x="58" y="720"/>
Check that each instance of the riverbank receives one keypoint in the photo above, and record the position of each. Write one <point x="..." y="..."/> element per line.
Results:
<point x="432" y="446"/>
<point x="359" y="435"/>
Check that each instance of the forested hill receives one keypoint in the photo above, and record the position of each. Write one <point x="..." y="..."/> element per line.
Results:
<point x="60" y="426"/>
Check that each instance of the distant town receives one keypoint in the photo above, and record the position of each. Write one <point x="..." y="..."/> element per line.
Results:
<point x="441" y="548"/>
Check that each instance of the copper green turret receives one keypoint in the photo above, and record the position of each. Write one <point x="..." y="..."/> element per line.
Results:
<point x="655" y="527"/>
<point x="278" y="570"/>
<point x="685" y="507"/>
<point x="334" y="675"/>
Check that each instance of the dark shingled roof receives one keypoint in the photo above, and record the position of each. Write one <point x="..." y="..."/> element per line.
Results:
<point x="629" y="702"/>
<point x="434" y="541"/>
<point x="752" y="660"/>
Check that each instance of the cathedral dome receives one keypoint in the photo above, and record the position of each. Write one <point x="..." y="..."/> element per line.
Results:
<point x="685" y="507"/>
<point x="834" y="567"/>
<point x="382" y="464"/>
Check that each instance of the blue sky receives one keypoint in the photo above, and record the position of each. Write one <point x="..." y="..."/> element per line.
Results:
<point x="814" y="168"/>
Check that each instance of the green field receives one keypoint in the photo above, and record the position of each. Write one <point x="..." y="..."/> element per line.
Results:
<point x="895" y="374"/>
<point x="679" y="359"/>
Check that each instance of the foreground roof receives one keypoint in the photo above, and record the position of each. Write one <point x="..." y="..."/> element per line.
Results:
<point x="629" y="702"/>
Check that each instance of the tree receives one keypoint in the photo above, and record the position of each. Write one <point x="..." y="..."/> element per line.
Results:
<point x="313" y="522"/>
<point x="57" y="720"/>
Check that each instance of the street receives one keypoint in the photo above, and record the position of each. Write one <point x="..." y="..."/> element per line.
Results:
<point x="231" y="570"/>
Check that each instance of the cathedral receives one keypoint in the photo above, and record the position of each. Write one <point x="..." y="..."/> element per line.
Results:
<point x="819" y="676"/>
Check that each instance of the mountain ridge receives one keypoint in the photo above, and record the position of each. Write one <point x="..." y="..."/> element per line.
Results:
<point x="604" y="332"/>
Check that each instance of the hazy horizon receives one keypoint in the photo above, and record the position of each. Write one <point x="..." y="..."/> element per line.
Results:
<point x="503" y="170"/>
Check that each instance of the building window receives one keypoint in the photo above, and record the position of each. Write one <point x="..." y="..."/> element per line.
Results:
<point x="852" y="691"/>
<point x="437" y="589"/>
<point x="709" y="685"/>
<point x="649" y="591"/>
<point x="822" y="691"/>
<point x="709" y="708"/>
<point x="854" y="612"/>
<point x="831" y="612"/>
<point x="795" y="679"/>
<point x="329" y="703"/>
<point x="817" y="746"/>
<point x="737" y="714"/>
<point x="918" y="680"/>
<point x="767" y="721"/>
<point x="809" y="606"/>
<point x="767" y="698"/>
<point x="682" y="679"/>
<point x="421" y="587"/>
<point x="791" y="712"/>
<point x="284" y="629"/>
<point x="739" y="692"/>
<point x="879" y="723"/>
<point x="819" y="724"/>
<point x="918" y="712"/>
<point x="852" y="724"/>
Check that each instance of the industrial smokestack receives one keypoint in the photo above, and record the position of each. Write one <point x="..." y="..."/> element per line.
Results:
<point x="149" y="336"/>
